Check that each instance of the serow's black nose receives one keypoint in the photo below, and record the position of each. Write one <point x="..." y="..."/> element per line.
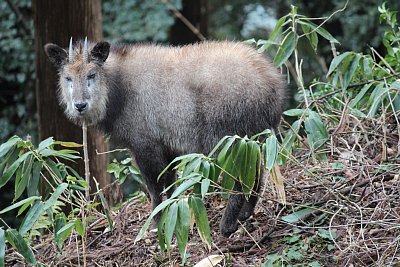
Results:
<point x="81" y="106"/>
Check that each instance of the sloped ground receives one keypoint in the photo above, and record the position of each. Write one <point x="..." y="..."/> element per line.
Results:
<point x="341" y="212"/>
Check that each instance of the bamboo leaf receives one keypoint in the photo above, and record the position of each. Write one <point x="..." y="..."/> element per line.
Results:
<point x="271" y="152"/>
<point x="28" y="200"/>
<point x="45" y="144"/>
<point x="205" y="168"/>
<point x="249" y="176"/>
<point x="12" y="169"/>
<point x="286" y="49"/>
<point x="26" y="173"/>
<point x="360" y="95"/>
<point x="170" y="226"/>
<point x="349" y="73"/>
<point x="297" y="215"/>
<point x="153" y="213"/>
<point x="222" y="155"/>
<point x="336" y="61"/>
<point x="278" y="28"/>
<point x="190" y="180"/>
<point x="4" y="148"/>
<point x="205" y="184"/>
<point x="182" y="226"/>
<point x="52" y="200"/>
<point x="34" y="181"/>
<point x="80" y="229"/>
<point x="31" y="217"/>
<point x="20" y="245"/>
<point x="321" y="31"/>
<point x="200" y="215"/>
<point x="67" y="144"/>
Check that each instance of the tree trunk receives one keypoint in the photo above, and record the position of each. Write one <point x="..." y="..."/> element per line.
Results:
<point x="56" y="21"/>
<point x="194" y="11"/>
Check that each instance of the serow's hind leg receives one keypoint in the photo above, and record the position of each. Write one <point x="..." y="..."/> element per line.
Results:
<point x="249" y="205"/>
<point x="229" y="219"/>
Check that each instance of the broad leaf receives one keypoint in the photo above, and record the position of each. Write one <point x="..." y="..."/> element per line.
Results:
<point x="286" y="49"/>
<point x="20" y="245"/>
<point x="200" y="215"/>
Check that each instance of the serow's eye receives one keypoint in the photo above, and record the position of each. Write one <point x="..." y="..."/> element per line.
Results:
<point x="91" y="76"/>
<point x="68" y="79"/>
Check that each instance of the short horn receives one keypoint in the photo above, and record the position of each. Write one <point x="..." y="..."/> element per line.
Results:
<point x="85" y="51"/>
<point x="70" y="55"/>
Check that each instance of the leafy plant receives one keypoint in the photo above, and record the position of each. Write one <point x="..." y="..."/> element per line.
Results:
<point x="234" y="159"/>
<point x="26" y="165"/>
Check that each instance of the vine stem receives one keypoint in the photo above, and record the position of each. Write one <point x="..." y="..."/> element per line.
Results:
<point x="86" y="159"/>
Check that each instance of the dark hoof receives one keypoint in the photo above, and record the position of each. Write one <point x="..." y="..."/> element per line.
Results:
<point x="244" y="215"/>
<point x="226" y="229"/>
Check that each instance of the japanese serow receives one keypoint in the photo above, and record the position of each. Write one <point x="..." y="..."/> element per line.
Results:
<point x="161" y="102"/>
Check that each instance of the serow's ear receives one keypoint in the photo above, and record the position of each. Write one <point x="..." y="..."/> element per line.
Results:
<point x="56" y="54"/>
<point x="100" y="52"/>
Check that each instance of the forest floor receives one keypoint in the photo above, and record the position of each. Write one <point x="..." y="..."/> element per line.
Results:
<point x="344" y="211"/>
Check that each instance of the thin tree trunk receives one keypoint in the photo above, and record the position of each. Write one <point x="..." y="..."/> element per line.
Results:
<point x="56" y="21"/>
<point x="195" y="11"/>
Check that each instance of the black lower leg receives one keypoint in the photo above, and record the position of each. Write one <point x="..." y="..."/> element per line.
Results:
<point x="229" y="222"/>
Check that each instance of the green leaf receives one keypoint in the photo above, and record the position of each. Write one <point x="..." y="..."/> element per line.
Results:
<point x="2" y="247"/>
<point x="294" y="254"/>
<point x="80" y="229"/>
<point x="360" y="95"/>
<point x="31" y="217"/>
<point x="233" y="165"/>
<point x="193" y="166"/>
<point x="4" y="148"/>
<point x="222" y="155"/>
<point x="249" y="173"/>
<point x="205" y="168"/>
<point x="33" y="183"/>
<point x="288" y="141"/>
<point x="67" y="144"/>
<point x="190" y="180"/>
<point x="20" y="245"/>
<point x="316" y="131"/>
<point x="336" y="61"/>
<point x="9" y="158"/>
<point x="52" y="200"/>
<point x="272" y="150"/>
<point x="170" y="226"/>
<point x="28" y="200"/>
<point x="249" y="41"/>
<point x="106" y="208"/>
<point x="160" y="228"/>
<point x="349" y="72"/>
<point x="321" y="31"/>
<point x="59" y="222"/>
<point x="54" y="169"/>
<point x="278" y="28"/>
<point x="286" y="49"/>
<point x="146" y="225"/>
<point x="297" y="215"/>
<point x="311" y="36"/>
<point x="205" y="184"/>
<point x="200" y="215"/>
<point x="11" y="170"/>
<point x="26" y="173"/>
<point x="182" y="159"/>
<point x="45" y="144"/>
<point x="182" y="226"/>
<point x="65" y="231"/>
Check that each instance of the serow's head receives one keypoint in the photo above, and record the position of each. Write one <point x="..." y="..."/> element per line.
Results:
<point x="82" y="84"/>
